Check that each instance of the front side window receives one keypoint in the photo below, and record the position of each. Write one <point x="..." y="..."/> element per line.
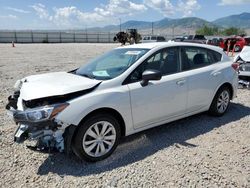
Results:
<point x="111" y="64"/>
<point x="195" y="57"/>
<point x="165" y="60"/>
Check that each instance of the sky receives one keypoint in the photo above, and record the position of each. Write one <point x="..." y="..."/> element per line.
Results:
<point x="81" y="14"/>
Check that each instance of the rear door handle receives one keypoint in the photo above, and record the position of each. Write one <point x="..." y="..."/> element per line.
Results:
<point x="216" y="73"/>
<point x="181" y="82"/>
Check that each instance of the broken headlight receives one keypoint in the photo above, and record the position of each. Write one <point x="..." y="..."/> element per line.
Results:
<point x="39" y="114"/>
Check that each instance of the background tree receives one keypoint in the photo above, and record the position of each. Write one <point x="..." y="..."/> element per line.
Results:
<point x="206" y="30"/>
<point x="233" y="31"/>
<point x="210" y="31"/>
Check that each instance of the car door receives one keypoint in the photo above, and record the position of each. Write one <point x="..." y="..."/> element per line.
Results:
<point x="159" y="100"/>
<point x="202" y="74"/>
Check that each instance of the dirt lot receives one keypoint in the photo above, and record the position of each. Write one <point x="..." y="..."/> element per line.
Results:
<point x="199" y="151"/>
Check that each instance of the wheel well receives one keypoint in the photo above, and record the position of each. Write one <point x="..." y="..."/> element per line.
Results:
<point x="111" y="111"/>
<point x="230" y="87"/>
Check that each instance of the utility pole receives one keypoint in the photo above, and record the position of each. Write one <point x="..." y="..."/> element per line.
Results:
<point x="120" y="24"/>
<point x="152" y="28"/>
<point x="173" y="32"/>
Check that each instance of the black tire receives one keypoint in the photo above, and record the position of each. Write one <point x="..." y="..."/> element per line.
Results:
<point x="213" y="110"/>
<point x="77" y="144"/>
<point x="237" y="48"/>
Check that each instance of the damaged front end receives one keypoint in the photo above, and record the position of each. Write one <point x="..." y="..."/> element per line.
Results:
<point x="36" y="120"/>
<point x="37" y="102"/>
<point x="38" y="124"/>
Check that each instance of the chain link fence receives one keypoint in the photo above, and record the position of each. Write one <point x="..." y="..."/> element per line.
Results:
<point x="55" y="37"/>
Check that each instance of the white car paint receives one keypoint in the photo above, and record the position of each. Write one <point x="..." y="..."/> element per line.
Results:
<point x="244" y="54"/>
<point x="53" y="84"/>
<point x="173" y="97"/>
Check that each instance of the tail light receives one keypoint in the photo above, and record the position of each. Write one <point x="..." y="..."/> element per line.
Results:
<point x="235" y="66"/>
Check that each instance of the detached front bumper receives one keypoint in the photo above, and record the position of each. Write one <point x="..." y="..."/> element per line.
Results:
<point x="31" y="130"/>
<point x="46" y="130"/>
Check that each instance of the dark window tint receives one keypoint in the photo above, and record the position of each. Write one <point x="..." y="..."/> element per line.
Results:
<point x="160" y="39"/>
<point x="247" y="40"/>
<point x="165" y="60"/>
<point x="199" y="37"/>
<point x="193" y="57"/>
<point x="153" y="38"/>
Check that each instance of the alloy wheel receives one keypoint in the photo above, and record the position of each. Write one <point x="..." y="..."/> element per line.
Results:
<point x="99" y="139"/>
<point x="223" y="101"/>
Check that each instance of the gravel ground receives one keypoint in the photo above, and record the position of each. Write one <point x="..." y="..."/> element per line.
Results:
<point x="199" y="151"/>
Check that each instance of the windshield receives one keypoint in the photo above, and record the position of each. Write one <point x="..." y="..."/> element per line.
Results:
<point x="111" y="64"/>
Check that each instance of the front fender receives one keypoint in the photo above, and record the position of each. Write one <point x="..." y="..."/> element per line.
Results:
<point x="114" y="98"/>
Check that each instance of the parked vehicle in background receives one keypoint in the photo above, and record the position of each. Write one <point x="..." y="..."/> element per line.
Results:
<point x="125" y="91"/>
<point x="195" y="39"/>
<point x="236" y="42"/>
<point x="243" y="59"/>
<point x="131" y="36"/>
<point x="153" y="38"/>
<point x="180" y="38"/>
<point x="216" y="41"/>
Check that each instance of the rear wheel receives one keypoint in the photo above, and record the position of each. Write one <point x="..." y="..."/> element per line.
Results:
<point x="97" y="138"/>
<point x="220" y="102"/>
<point x="237" y="48"/>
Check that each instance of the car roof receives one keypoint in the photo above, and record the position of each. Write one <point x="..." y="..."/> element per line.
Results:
<point x="170" y="44"/>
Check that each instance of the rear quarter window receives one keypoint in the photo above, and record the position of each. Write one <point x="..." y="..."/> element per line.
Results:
<point x="196" y="57"/>
<point x="214" y="56"/>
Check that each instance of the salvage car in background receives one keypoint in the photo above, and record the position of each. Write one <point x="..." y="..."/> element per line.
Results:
<point x="237" y="43"/>
<point x="195" y="39"/>
<point x="216" y="41"/>
<point x="153" y="38"/>
<point x="126" y="90"/>
<point x="243" y="59"/>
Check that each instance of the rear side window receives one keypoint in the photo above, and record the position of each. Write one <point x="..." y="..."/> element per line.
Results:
<point x="195" y="57"/>
<point x="160" y="39"/>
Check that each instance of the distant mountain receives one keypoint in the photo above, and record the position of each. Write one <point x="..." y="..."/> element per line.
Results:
<point x="239" y="20"/>
<point x="190" y="23"/>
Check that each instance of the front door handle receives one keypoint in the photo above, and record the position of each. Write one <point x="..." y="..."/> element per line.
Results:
<point x="181" y="82"/>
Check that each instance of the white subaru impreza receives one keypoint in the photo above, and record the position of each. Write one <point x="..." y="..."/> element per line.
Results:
<point x="126" y="90"/>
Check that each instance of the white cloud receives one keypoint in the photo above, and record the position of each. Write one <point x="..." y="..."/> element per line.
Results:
<point x="167" y="8"/>
<point x="71" y="16"/>
<point x="17" y="10"/>
<point x="120" y="8"/>
<point x="67" y="16"/>
<point x="10" y="16"/>
<point x="41" y="11"/>
<point x="234" y="2"/>
<point x="188" y="7"/>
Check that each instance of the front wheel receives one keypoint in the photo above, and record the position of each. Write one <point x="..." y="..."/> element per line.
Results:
<point x="220" y="102"/>
<point x="97" y="138"/>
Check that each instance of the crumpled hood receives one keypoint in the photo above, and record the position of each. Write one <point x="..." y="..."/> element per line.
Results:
<point x="245" y="54"/>
<point x="54" y="84"/>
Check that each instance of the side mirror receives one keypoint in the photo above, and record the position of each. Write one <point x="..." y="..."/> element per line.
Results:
<point x="150" y="74"/>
